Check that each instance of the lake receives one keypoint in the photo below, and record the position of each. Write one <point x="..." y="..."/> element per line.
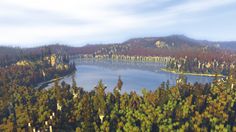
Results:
<point x="135" y="75"/>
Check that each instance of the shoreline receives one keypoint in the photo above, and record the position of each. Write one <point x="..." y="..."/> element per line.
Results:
<point x="44" y="84"/>
<point x="193" y="74"/>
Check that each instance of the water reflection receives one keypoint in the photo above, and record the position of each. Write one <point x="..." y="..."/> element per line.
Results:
<point x="135" y="75"/>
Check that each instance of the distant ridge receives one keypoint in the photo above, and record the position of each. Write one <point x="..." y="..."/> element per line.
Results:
<point x="181" y="40"/>
<point x="165" y="45"/>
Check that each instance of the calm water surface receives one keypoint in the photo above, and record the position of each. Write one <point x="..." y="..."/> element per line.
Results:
<point x="135" y="75"/>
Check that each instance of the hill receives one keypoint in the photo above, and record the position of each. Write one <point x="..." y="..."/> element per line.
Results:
<point x="174" y="45"/>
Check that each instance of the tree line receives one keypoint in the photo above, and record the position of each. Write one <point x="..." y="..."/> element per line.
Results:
<point x="63" y="107"/>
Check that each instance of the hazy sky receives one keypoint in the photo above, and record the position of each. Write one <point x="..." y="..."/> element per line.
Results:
<point x="28" y="23"/>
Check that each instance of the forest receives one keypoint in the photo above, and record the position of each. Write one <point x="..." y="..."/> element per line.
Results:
<point x="117" y="65"/>
<point x="198" y="66"/>
<point x="30" y="69"/>
<point x="64" y="107"/>
<point x="184" y="107"/>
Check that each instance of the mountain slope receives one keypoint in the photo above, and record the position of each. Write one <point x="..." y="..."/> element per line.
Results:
<point x="174" y="45"/>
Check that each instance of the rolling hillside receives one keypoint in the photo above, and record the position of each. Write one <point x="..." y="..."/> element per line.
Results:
<point x="174" y="45"/>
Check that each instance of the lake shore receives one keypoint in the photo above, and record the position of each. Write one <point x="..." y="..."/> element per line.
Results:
<point x="44" y="84"/>
<point x="189" y="73"/>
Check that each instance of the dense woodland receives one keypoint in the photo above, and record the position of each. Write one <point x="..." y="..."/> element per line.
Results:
<point x="183" y="107"/>
<point x="63" y="107"/>
<point x="198" y="66"/>
<point x="30" y="69"/>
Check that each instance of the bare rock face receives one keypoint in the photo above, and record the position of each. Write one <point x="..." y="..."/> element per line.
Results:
<point x="161" y="44"/>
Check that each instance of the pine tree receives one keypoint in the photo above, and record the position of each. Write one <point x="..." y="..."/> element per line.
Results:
<point x="118" y="87"/>
<point x="99" y="99"/>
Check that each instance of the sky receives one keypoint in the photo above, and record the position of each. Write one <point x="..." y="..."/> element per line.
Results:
<point x="28" y="23"/>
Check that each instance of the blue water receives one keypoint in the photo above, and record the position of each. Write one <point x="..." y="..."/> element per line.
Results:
<point x="135" y="75"/>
